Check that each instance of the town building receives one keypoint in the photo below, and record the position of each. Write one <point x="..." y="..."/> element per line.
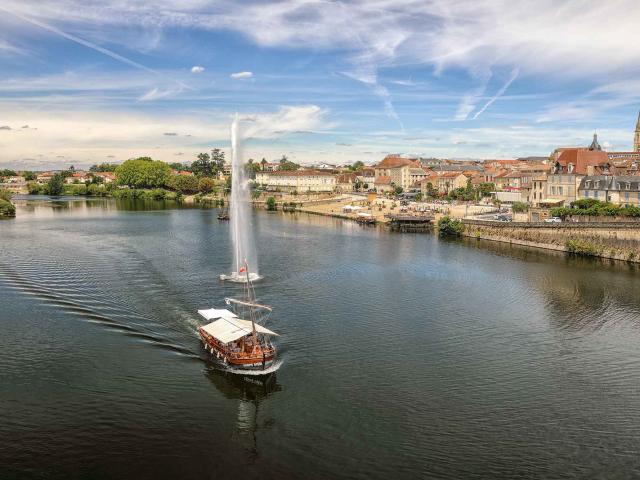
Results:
<point x="78" y="177"/>
<point x="367" y="176"/>
<point x="346" y="182"/>
<point x="617" y="189"/>
<point x="297" y="181"/>
<point x="398" y="169"/>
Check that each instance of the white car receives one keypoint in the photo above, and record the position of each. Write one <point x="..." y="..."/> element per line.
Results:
<point x="553" y="220"/>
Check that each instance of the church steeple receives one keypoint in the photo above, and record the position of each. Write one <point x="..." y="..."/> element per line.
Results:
<point x="595" y="145"/>
<point x="636" y="138"/>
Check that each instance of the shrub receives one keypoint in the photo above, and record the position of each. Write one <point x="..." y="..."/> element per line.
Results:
<point x="271" y="204"/>
<point x="7" y="209"/>
<point x="184" y="183"/>
<point x="450" y="227"/>
<point x="34" y="188"/>
<point x="75" y="189"/>
<point x="519" y="207"/>
<point x="581" y="247"/>
<point x="206" y="185"/>
<point x="5" y="194"/>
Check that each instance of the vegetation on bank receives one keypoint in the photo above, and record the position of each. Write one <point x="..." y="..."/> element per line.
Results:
<point x="7" y="209"/>
<point x="450" y="227"/>
<point x="271" y="204"/>
<point x="582" y="247"/>
<point x="595" y="208"/>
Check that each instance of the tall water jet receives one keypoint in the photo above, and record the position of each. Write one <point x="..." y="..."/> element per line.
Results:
<point x="244" y="250"/>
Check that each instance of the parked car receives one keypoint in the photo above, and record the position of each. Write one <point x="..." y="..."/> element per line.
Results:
<point x="553" y="220"/>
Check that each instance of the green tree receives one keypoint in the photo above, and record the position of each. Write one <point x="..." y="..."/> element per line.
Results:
<point x="5" y="194"/>
<point x="206" y="185"/>
<point x="7" y="172"/>
<point x="143" y="173"/>
<point x="29" y="176"/>
<point x="450" y="227"/>
<point x="217" y="160"/>
<point x="356" y="166"/>
<point x="486" y="188"/>
<point x="55" y="186"/>
<point x="519" y="207"/>
<point x="184" y="183"/>
<point x="251" y="168"/>
<point x="271" y="204"/>
<point x="33" y="188"/>
<point x="287" y="165"/>
<point x="418" y="197"/>
<point x="398" y="190"/>
<point x="104" y="167"/>
<point x="431" y="191"/>
<point x="203" y="167"/>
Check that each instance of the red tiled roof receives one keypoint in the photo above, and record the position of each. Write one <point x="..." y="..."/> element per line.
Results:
<point x="392" y="161"/>
<point x="298" y="173"/>
<point x="383" y="180"/>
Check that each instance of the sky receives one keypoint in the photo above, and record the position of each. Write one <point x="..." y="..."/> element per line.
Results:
<point x="91" y="81"/>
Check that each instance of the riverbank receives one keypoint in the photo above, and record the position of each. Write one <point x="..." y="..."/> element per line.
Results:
<point x="612" y="240"/>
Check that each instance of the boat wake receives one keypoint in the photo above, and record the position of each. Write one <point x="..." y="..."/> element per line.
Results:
<point x="241" y="371"/>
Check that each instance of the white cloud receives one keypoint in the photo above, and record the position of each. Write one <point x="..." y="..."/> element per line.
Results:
<point x="514" y="74"/>
<point x="241" y="75"/>
<point x="158" y="93"/>
<point x="197" y="69"/>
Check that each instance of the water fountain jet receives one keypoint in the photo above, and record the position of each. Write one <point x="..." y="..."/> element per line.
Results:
<point x="244" y="251"/>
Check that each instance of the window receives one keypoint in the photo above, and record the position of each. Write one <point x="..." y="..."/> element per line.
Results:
<point x="626" y="196"/>
<point x="559" y="190"/>
<point x="586" y="193"/>
<point x="595" y="194"/>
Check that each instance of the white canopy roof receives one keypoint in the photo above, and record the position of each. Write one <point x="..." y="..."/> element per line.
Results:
<point x="212" y="313"/>
<point x="229" y="329"/>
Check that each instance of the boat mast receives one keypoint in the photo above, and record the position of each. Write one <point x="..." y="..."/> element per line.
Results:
<point x="251" y="313"/>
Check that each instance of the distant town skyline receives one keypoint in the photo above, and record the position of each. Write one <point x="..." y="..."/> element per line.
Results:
<point x="317" y="81"/>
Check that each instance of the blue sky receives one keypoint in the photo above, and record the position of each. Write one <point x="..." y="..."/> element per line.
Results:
<point x="83" y="82"/>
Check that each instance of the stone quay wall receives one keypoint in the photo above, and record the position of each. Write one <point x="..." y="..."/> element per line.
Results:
<point x="616" y="240"/>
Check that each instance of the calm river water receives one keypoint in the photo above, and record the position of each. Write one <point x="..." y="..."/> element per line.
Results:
<point x="404" y="356"/>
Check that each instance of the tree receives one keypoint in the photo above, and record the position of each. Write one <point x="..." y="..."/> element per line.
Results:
<point x="251" y="168"/>
<point x="418" y="197"/>
<point x="217" y="159"/>
<point x="104" y="167"/>
<point x="398" y="190"/>
<point x="271" y="204"/>
<point x="28" y="176"/>
<point x="519" y="207"/>
<point x="431" y="191"/>
<point x="206" y="185"/>
<point x="356" y="166"/>
<point x="202" y="167"/>
<point x="7" y="172"/>
<point x="55" y="186"/>
<point x="486" y="188"/>
<point x="143" y="173"/>
<point x="5" y="194"/>
<point x="180" y="166"/>
<point x="450" y="227"/>
<point x="183" y="183"/>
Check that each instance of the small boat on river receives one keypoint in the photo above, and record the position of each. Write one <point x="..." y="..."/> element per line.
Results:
<point x="237" y="336"/>
<point x="223" y="215"/>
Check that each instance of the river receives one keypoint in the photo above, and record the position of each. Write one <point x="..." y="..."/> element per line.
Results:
<point x="404" y="356"/>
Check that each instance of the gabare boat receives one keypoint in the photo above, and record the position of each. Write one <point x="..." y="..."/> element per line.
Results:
<point x="235" y="336"/>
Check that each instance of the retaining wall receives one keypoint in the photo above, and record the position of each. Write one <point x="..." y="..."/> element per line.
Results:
<point x="617" y="240"/>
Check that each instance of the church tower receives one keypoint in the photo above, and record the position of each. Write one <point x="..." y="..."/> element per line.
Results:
<point x="636" y="138"/>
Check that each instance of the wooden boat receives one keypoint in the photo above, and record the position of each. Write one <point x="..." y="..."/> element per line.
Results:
<point x="235" y="341"/>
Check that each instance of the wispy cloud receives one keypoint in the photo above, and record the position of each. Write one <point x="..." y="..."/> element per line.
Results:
<point x="514" y="74"/>
<point x="241" y="75"/>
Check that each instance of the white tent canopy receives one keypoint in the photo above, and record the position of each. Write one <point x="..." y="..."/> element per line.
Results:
<point x="229" y="329"/>
<point x="212" y="313"/>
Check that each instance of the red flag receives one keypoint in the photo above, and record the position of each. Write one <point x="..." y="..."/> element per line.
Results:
<point x="242" y="270"/>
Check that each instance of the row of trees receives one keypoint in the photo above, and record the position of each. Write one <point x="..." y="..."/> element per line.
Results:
<point x="7" y="172"/>
<point x="595" y="208"/>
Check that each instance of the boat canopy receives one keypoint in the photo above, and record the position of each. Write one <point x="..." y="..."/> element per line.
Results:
<point x="213" y="313"/>
<point x="229" y="329"/>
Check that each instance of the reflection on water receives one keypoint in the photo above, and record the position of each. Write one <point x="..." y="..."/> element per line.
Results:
<point x="250" y="391"/>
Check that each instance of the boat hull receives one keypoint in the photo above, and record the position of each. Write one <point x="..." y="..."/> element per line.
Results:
<point x="258" y="360"/>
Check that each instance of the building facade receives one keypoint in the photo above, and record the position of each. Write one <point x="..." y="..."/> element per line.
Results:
<point x="636" y="138"/>
<point x="297" y="180"/>
<point x="617" y="189"/>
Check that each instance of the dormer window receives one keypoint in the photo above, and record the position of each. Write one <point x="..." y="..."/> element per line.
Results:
<point x="570" y="168"/>
<point x="596" y="184"/>
<point x="628" y="185"/>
